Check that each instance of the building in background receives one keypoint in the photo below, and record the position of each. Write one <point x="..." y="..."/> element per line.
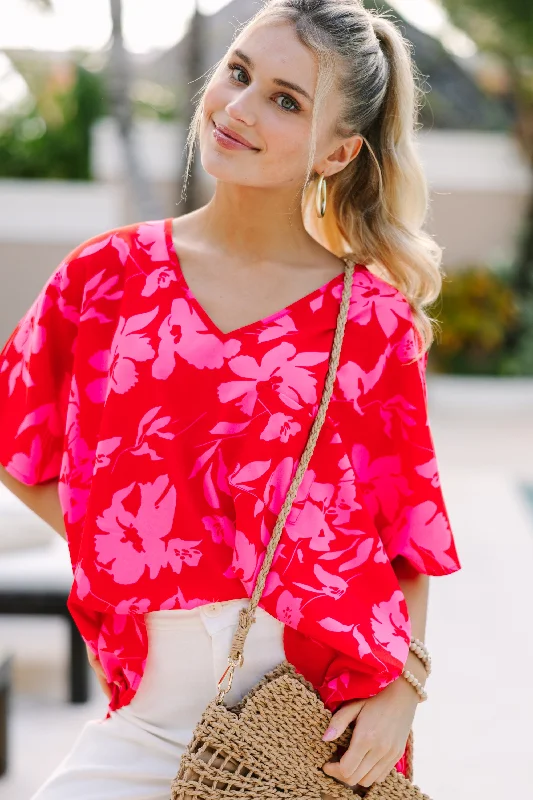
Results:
<point x="479" y="181"/>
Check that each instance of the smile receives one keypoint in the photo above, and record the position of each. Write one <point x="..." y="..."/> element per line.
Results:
<point x="226" y="140"/>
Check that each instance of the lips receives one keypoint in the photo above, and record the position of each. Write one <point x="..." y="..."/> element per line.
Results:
<point x="235" y="136"/>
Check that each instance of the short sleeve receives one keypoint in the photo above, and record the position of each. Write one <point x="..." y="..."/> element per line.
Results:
<point x="36" y="366"/>
<point x="408" y="501"/>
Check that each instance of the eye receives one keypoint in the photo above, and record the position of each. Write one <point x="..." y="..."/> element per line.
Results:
<point x="293" y="106"/>
<point x="236" y="68"/>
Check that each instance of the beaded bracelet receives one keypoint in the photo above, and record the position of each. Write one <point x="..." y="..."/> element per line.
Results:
<point x="420" y="650"/>
<point x="415" y="683"/>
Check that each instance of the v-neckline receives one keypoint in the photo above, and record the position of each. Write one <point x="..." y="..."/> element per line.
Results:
<point x="202" y="313"/>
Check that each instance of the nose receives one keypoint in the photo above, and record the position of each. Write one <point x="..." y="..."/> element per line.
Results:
<point x="240" y="109"/>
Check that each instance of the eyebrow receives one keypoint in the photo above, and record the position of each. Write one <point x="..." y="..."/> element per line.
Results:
<point x="278" y="81"/>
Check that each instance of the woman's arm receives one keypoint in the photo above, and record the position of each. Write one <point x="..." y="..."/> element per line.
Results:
<point x="415" y="588"/>
<point x="42" y="499"/>
<point x="383" y="721"/>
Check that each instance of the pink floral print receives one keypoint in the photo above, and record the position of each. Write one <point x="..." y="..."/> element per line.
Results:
<point x="174" y="446"/>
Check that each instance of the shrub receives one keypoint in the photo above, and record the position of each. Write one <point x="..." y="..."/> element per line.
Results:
<point x="481" y="325"/>
<point x="33" y="145"/>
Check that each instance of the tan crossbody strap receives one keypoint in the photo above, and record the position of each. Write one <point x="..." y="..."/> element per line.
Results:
<point x="246" y="615"/>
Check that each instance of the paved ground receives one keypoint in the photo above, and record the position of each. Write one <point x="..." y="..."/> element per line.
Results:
<point x="473" y="735"/>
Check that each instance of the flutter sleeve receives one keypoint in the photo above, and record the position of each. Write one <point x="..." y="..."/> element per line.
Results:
<point x="36" y="366"/>
<point x="410" y="510"/>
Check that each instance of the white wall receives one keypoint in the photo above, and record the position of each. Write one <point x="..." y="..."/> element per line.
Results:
<point x="479" y="184"/>
<point x="56" y="211"/>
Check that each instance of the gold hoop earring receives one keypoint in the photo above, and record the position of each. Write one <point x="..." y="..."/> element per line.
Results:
<point x="321" y="197"/>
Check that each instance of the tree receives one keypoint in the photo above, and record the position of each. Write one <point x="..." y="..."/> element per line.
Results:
<point x="52" y="139"/>
<point x="119" y="83"/>
<point x="505" y="27"/>
<point x="195" y="44"/>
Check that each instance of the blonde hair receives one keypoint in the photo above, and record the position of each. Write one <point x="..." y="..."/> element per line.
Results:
<point x="377" y="204"/>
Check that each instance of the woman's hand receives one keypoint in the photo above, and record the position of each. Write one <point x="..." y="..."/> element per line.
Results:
<point x="379" y="737"/>
<point x="100" y="674"/>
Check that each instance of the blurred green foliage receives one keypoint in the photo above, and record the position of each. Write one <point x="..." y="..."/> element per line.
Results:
<point x="484" y="326"/>
<point x="52" y="140"/>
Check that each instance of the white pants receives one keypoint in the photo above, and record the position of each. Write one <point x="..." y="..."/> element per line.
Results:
<point x="134" y="754"/>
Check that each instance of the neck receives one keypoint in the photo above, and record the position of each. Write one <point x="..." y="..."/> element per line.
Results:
<point x="255" y="224"/>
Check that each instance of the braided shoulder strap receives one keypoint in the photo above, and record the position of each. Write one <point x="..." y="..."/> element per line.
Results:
<point x="246" y="615"/>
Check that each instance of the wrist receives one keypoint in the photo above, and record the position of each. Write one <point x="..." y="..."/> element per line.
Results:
<point x="414" y="665"/>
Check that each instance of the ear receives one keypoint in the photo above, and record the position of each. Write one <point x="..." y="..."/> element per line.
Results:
<point x="345" y="153"/>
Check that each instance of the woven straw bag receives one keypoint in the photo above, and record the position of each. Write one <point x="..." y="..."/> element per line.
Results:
<point x="268" y="746"/>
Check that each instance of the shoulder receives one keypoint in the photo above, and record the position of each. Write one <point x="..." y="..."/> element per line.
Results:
<point x="379" y="306"/>
<point x="142" y="241"/>
<point x="382" y="324"/>
<point x="95" y="271"/>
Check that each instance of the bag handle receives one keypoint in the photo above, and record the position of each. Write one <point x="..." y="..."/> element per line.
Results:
<point x="247" y="615"/>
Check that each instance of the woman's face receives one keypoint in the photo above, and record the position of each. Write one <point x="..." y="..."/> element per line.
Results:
<point x="251" y="98"/>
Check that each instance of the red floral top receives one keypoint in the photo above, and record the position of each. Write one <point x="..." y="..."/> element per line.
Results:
<point x="175" y="443"/>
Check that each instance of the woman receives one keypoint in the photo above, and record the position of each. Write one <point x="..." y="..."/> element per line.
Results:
<point x="164" y="383"/>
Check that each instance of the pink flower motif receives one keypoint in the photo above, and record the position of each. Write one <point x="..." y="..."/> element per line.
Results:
<point x="381" y="481"/>
<point x="77" y="463"/>
<point x="331" y="585"/>
<point x="244" y="561"/>
<point x="221" y="528"/>
<point x="178" y="601"/>
<point x="406" y="349"/>
<point x="81" y="461"/>
<point x="150" y="426"/>
<point x="372" y="296"/>
<point x="29" y="468"/>
<point x="288" y="609"/>
<point x="134" y="605"/>
<point x="242" y="477"/>
<point x="158" y="279"/>
<point x="398" y="409"/>
<point x="73" y="500"/>
<point x="391" y="625"/>
<point x="281" y="427"/>
<point x="81" y="585"/>
<point x="355" y="382"/>
<point x="119" y="363"/>
<point x="421" y="534"/>
<point x="337" y="685"/>
<point x="278" y="328"/>
<point x="335" y="625"/>
<point x="47" y="413"/>
<point x="183" y="334"/>
<point x="181" y="551"/>
<point x="31" y="335"/>
<point x="277" y="486"/>
<point x="282" y="368"/>
<point x="30" y="338"/>
<point x="97" y="289"/>
<point x="151" y="237"/>
<point x="430" y="471"/>
<point x="105" y="448"/>
<point x="132" y="541"/>
<point x="327" y="506"/>
<point x="363" y="647"/>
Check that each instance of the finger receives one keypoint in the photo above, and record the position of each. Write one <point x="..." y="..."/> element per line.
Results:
<point x="378" y="772"/>
<point x="354" y="776"/>
<point x="360" y="748"/>
<point x="341" y="719"/>
<point x="335" y="770"/>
